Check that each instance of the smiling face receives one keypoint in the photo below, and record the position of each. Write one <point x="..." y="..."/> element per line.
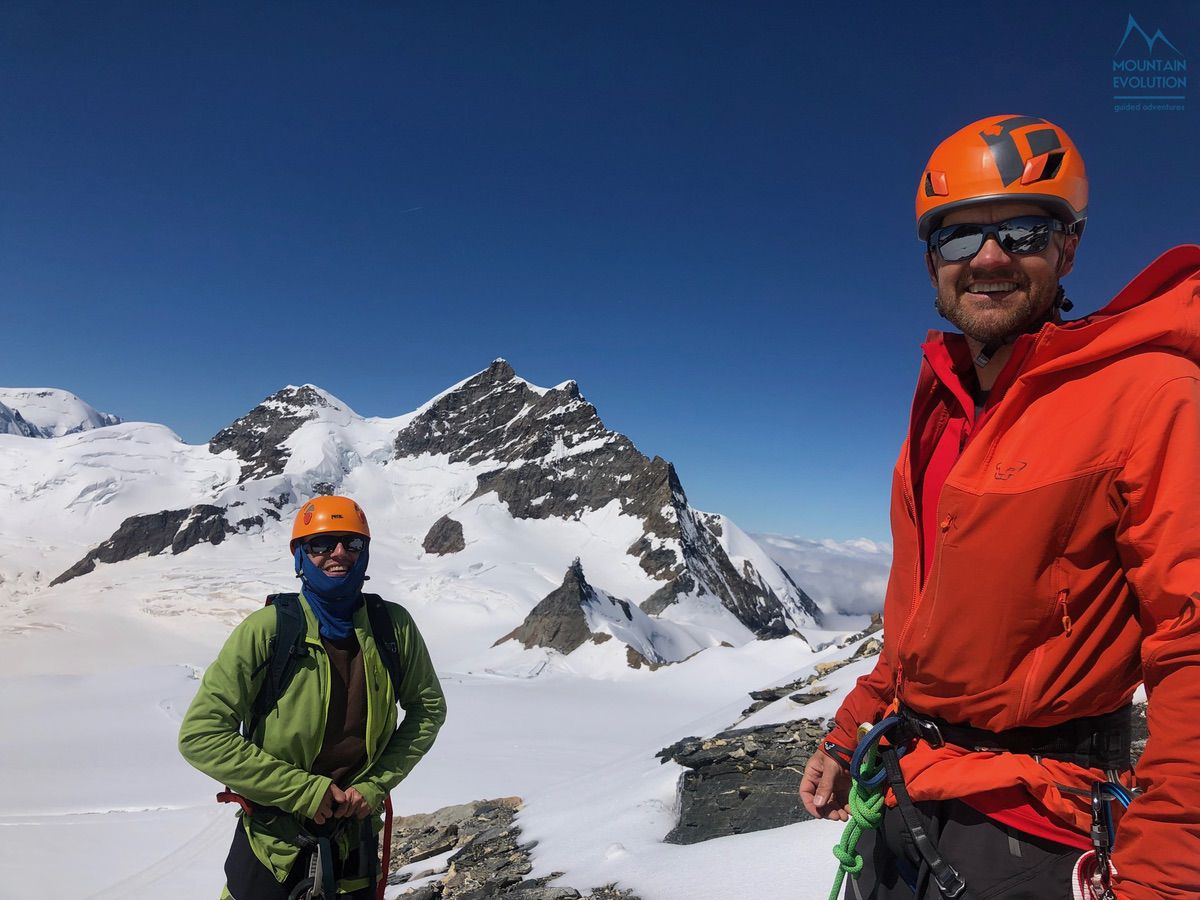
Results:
<point x="338" y="562"/>
<point x="994" y="294"/>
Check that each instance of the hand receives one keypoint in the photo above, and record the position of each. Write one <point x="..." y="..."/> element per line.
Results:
<point x="326" y="807"/>
<point x="825" y="788"/>
<point x="352" y="803"/>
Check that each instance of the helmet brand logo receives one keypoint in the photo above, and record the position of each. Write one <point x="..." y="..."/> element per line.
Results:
<point x="308" y="513"/>
<point x="1005" y="152"/>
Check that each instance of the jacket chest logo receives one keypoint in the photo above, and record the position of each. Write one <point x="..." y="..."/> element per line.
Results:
<point x="1005" y="471"/>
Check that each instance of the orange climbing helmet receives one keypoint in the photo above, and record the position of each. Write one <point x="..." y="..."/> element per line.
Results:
<point x="329" y="513"/>
<point x="1004" y="158"/>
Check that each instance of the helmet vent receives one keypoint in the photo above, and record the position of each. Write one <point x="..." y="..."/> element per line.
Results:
<point x="1054" y="162"/>
<point x="935" y="184"/>
<point x="1043" y="167"/>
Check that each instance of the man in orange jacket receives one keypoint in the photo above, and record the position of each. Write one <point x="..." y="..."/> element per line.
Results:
<point x="1046" y="524"/>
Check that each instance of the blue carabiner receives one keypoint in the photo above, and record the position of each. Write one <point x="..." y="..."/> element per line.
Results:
<point x="869" y="740"/>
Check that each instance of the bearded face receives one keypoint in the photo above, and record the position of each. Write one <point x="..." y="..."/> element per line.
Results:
<point x="995" y="294"/>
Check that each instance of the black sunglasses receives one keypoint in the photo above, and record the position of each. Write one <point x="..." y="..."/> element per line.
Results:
<point x="326" y="543"/>
<point x="1020" y="235"/>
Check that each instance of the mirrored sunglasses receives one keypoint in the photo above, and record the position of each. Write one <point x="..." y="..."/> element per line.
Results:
<point x="324" y="544"/>
<point x="1020" y="235"/>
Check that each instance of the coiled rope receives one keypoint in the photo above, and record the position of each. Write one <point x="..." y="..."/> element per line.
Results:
<point x="866" y="812"/>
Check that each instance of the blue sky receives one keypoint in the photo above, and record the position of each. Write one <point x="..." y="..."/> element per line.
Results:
<point x="702" y="212"/>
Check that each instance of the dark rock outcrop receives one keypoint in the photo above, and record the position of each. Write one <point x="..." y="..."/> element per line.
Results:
<point x="257" y="437"/>
<point x="12" y="422"/>
<point x="175" y="529"/>
<point x="558" y="621"/>
<point x="490" y="860"/>
<point x="445" y="536"/>
<point x="548" y="454"/>
<point x="742" y="780"/>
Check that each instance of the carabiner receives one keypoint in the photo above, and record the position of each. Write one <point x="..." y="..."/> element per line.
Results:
<point x="869" y="740"/>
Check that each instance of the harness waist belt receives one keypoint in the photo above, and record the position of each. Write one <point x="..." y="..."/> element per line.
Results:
<point x="1093" y="742"/>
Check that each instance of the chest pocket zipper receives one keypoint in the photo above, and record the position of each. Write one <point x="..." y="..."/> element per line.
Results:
<point x="1063" y="595"/>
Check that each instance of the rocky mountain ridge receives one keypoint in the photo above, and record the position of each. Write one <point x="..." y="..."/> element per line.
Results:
<point x="547" y="454"/>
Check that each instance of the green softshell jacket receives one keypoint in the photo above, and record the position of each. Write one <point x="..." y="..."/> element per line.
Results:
<point x="273" y="770"/>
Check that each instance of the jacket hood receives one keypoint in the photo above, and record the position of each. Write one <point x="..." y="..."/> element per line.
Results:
<point x="1159" y="309"/>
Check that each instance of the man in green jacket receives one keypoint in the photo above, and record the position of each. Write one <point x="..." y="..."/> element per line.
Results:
<point x="321" y="762"/>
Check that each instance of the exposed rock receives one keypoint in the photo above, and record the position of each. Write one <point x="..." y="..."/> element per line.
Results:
<point x="873" y="647"/>
<point x="12" y="422"/>
<point x="875" y="627"/>
<point x="636" y="660"/>
<point x="490" y="860"/>
<point x="547" y="454"/>
<point x="176" y="529"/>
<point x="257" y="438"/>
<point x="806" y="697"/>
<point x="1141" y="732"/>
<point x="444" y="537"/>
<point x="558" y="621"/>
<point x="742" y="780"/>
<point x="575" y="613"/>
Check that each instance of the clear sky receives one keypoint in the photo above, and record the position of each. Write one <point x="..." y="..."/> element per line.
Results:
<point x="702" y="212"/>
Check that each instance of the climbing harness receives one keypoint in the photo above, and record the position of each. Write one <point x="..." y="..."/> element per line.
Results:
<point x="1092" y="742"/>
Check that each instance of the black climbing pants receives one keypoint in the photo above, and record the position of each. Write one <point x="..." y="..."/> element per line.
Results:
<point x="248" y="879"/>
<point x="995" y="860"/>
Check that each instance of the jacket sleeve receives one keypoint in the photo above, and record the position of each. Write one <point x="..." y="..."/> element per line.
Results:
<point x="209" y="737"/>
<point x="424" y="707"/>
<point x="1158" y="848"/>
<point x="873" y="692"/>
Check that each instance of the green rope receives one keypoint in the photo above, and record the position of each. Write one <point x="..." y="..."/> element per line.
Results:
<point x="866" y="812"/>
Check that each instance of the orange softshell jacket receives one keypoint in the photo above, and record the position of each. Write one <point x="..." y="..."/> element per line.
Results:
<point x="1065" y="570"/>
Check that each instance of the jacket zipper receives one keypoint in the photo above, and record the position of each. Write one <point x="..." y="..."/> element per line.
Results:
<point x="1066" y="612"/>
<point x="911" y="505"/>
<point x="918" y="588"/>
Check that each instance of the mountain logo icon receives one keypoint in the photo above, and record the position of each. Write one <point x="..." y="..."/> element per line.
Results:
<point x="1151" y="42"/>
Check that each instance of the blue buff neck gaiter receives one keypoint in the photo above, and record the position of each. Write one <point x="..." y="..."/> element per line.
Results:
<point x="333" y="600"/>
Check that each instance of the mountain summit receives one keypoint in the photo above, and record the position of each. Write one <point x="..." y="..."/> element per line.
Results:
<point x="48" y="413"/>
<point x="546" y="454"/>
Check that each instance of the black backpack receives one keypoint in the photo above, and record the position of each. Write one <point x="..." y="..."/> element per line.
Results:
<point x="288" y="648"/>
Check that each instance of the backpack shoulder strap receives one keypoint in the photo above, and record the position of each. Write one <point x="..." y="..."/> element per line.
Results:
<point x="384" y="633"/>
<point x="287" y="647"/>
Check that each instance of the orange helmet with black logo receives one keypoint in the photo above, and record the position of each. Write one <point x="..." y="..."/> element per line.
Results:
<point x="330" y="513"/>
<point x="1011" y="158"/>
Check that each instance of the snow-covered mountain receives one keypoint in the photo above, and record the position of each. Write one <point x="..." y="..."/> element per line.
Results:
<point x="499" y="510"/>
<point x="484" y="496"/>
<point x="47" y="413"/>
